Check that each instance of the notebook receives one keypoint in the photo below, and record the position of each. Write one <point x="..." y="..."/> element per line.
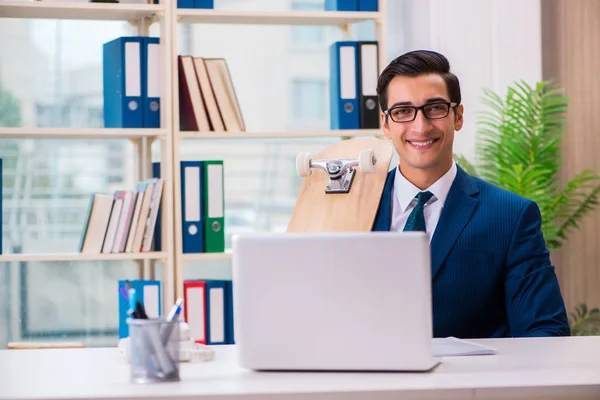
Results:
<point x="454" y="347"/>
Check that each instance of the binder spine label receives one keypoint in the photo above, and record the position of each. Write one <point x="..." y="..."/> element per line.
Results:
<point x="215" y="193"/>
<point x="347" y="72"/>
<point x="133" y="84"/>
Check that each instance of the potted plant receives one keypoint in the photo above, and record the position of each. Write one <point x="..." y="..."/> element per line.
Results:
<point x="518" y="147"/>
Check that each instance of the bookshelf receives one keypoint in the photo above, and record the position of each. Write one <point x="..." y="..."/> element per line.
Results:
<point x="168" y="16"/>
<point x="207" y="256"/>
<point x="140" y="17"/>
<point x="278" y="135"/>
<point x="192" y="16"/>
<point x="82" y="11"/>
<point x="76" y="133"/>
<point x="342" y="20"/>
<point x="83" y="257"/>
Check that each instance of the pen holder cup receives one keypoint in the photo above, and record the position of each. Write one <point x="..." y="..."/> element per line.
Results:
<point x="154" y="350"/>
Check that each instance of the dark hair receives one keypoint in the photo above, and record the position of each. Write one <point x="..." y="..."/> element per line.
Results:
<point x="415" y="63"/>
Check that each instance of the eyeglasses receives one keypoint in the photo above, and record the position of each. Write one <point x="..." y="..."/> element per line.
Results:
<point x="436" y="110"/>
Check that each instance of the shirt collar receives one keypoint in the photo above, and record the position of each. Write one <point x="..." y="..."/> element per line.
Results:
<point x="405" y="191"/>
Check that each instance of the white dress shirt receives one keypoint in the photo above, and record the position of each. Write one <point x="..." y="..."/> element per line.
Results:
<point x="404" y="200"/>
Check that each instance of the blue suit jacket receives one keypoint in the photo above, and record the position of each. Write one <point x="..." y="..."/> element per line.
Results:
<point x="490" y="268"/>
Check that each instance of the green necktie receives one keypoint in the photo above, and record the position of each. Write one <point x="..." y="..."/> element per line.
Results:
<point x="416" y="219"/>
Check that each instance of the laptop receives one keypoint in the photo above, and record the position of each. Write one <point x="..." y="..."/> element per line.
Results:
<point x="333" y="301"/>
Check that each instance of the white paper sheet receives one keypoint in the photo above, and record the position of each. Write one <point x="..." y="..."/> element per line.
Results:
<point x="453" y="347"/>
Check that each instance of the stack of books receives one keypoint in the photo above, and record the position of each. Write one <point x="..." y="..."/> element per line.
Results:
<point x="207" y="98"/>
<point x="123" y="222"/>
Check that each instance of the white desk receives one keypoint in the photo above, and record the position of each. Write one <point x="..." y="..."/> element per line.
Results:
<point x="566" y="368"/>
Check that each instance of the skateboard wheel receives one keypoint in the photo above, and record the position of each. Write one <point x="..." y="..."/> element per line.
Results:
<point x="366" y="161"/>
<point x="303" y="164"/>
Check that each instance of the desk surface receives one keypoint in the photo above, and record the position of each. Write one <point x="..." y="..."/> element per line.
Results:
<point x="550" y="367"/>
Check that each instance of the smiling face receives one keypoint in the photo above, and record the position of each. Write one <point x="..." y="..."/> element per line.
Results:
<point x="423" y="145"/>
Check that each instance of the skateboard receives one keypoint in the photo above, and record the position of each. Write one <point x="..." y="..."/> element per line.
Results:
<point x="342" y="186"/>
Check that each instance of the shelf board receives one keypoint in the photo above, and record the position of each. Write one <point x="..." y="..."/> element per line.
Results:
<point x="333" y="18"/>
<point x="82" y="257"/>
<point x="281" y="135"/>
<point x="206" y="256"/>
<point x="76" y="133"/>
<point x="72" y="10"/>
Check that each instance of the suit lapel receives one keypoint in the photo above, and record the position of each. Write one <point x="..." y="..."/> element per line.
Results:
<point x="458" y="209"/>
<point x="383" y="219"/>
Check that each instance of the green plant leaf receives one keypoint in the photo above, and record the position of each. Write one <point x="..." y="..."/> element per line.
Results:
<point x="467" y="166"/>
<point x="584" y="322"/>
<point x="518" y="148"/>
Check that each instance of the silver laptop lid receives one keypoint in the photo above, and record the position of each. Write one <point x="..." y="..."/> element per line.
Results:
<point x="306" y="300"/>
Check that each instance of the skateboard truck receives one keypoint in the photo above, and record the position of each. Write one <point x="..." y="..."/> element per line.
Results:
<point x="341" y="171"/>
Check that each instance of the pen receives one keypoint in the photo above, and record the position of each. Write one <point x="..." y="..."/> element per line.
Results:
<point x="160" y="353"/>
<point x="123" y="292"/>
<point x="132" y="302"/>
<point x="173" y="314"/>
<point x="140" y="312"/>
<point x="175" y="310"/>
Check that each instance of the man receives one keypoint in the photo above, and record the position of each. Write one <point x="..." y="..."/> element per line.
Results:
<point x="490" y="268"/>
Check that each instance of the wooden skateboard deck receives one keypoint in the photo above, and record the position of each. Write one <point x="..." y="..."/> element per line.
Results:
<point x="318" y="211"/>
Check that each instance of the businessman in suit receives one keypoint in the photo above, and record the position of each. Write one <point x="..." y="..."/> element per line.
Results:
<point x="490" y="268"/>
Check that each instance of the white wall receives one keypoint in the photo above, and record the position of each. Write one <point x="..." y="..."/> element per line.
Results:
<point x="489" y="43"/>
